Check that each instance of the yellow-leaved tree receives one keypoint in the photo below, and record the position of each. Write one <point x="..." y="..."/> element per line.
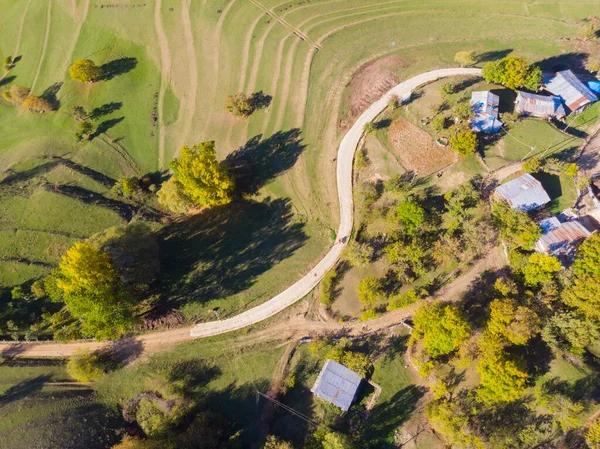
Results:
<point x="204" y="179"/>
<point x="85" y="71"/>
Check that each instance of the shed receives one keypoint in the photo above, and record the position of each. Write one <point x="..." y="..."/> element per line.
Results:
<point x="524" y="193"/>
<point x="484" y="105"/>
<point x="573" y="92"/>
<point x="561" y="240"/>
<point x="337" y="384"/>
<point x="539" y="105"/>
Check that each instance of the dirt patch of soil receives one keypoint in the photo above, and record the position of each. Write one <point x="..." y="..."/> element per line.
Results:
<point x="417" y="150"/>
<point x="369" y="83"/>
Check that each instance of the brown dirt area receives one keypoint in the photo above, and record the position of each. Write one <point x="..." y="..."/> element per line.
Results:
<point x="369" y="83"/>
<point x="417" y="150"/>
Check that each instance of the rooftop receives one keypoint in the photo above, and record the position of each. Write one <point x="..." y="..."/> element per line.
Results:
<point x="484" y="105"/>
<point x="539" y="105"/>
<point x="560" y="240"/>
<point x="337" y="384"/>
<point x="573" y="92"/>
<point x="524" y="193"/>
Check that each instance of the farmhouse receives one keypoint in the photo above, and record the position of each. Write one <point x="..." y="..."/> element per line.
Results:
<point x="575" y="95"/>
<point x="337" y="384"/>
<point x="524" y="193"/>
<point x="561" y="239"/>
<point x="539" y="105"/>
<point x="484" y="105"/>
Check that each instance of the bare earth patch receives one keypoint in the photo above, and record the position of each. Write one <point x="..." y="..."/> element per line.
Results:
<point x="369" y="83"/>
<point x="417" y="150"/>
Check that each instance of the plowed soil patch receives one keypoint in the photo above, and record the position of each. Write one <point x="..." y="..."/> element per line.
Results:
<point x="417" y="150"/>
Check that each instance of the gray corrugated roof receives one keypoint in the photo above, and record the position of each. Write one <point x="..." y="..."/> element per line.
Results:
<point x="560" y="241"/>
<point x="484" y="105"/>
<point x="524" y="193"/>
<point x="539" y="105"/>
<point x="337" y="384"/>
<point x="574" y="93"/>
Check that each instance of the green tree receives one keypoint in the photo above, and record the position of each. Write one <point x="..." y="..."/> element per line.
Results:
<point x="359" y="254"/>
<point x="513" y="72"/>
<point x="532" y="165"/>
<point x="239" y="105"/>
<point x="451" y="420"/>
<point x="592" y="434"/>
<point x="572" y="170"/>
<point x="172" y="197"/>
<point x="571" y="331"/>
<point x="93" y="292"/>
<point x="439" y="123"/>
<point x="518" y="324"/>
<point x="369" y="128"/>
<point x="409" y="215"/>
<point x="129" y="185"/>
<point x="275" y="443"/>
<point x="369" y="291"/>
<point x="84" y="130"/>
<point x="503" y="377"/>
<point x="584" y="291"/>
<point x="356" y="361"/>
<point x="85" y="71"/>
<point x="447" y="89"/>
<point x="442" y="327"/>
<point x="541" y="269"/>
<point x="589" y="31"/>
<point x="9" y="64"/>
<point x="465" y="58"/>
<point x="204" y="179"/>
<point x="464" y="142"/>
<point x="516" y="227"/>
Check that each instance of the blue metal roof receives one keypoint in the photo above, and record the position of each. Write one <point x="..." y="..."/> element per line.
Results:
<point x="337" y="384"/>
<point x="574" y="93"/>
<point x="524" y="193"/>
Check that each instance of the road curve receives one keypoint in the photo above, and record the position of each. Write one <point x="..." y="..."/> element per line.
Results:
<point x="302" y="287"/>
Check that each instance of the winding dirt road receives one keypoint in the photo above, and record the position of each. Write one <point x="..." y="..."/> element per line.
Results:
<point x="348" y="145"/>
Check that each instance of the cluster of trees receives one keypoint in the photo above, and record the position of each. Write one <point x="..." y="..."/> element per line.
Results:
<point x="22" y="97"/>
<point x="199" y="180"/>
<point x="513" y="72"/>
<point x="555" y="166"/>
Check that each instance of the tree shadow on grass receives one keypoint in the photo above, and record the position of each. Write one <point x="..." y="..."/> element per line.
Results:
<point x="7" y="80"/>
<point x="23" y="389"/>
<point x="117" y="67"/>
<point x="124" y="210"/>
<point x="50" y="95"/>
<point x="222" y="251"/>
<point x="493" y="55"/>
<point x="387" y="416"/>
<point x="259" y="162"/>
<point x="574" y="61"/>
<point x="105" y="126"/>
<point x="105" y="109"/>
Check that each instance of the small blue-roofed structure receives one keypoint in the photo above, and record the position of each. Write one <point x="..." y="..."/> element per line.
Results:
<point x="484" y="105"/>
<point x="594" y="86"/>
<point x="337" y="384"/>
<point x="576" y="95"/>
<point x="524" y="193"/>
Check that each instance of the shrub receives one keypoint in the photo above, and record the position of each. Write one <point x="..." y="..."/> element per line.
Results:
<point x="464" y="142"/>
<point x="172" y="197"/>
<point x="532" y="165"/>
<point x="88" y="366"/>
<point x="359" y="254"/>
<point x="405" y="299"/>
<point x="239" y="105"/>
<point x="369" y="291"/>
<point x="465" y="58"/>
<point x="370" y="314"/>
<point x="439" y="123"/>
<point x="369" y="128"/>
<point x="84" y="130"/>
<point x="327" y="288"/>
<point x="447" y="89"/>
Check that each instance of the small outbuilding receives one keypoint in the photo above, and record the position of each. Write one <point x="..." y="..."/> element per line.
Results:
<point x="524" y="193"/>
<point x="561" y="239"/>
<point x="575" y="95"/>
<point x="337" y="384"/>
<point x="484" y="105"/>
<point x="539" y="105"/>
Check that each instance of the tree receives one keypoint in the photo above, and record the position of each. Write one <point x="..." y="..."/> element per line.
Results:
<point x="9" y="64"/>
<point x="532" y="165"/>
<point x="589" y="31"/>
<point x="356" y="361"/>
<point x="275" y="443"/>
<point x="359" y="254"/>
<point x="518" y="324"/>
<point x="37" y="104"/>
<point x="584" y="291"/>
<point x="129" y="185"/>
<point x="571" y="331"/>
<point x="541" y="269"/>
<point x="84" y="130"/>
<point x="79" y="114"/>
<point x="172" y="197"/>
<point x="442" y="327"/>
<point x="513" y="72"/>
<point x="503" y="377"/>
<point x="204" y="179"/>
<point x="369" y="128"/>
<point x="592" y="434"/>
<point x="369" y="291"/>
<point x="16" y="94"/>
<point x="516" y="227"/>
<point x="239" y="105"/>
<point x="439" y="123"/>
<point x="93" y="292"/>
<point x="464" y="142"/>
<point x="451" y="420"/>
<point x="572" y="170"/>
<point x="447" y="89"/>
<point x="410" y="215"/>
<point x="465" y="58"/>
<point x="85" y="71"/>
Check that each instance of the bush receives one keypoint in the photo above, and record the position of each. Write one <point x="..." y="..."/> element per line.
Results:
<point x="88" y="366"/>
<point x="327" y="288"/>
<point x="369" y="128"/>
<point x="359" y="254"/>
<point x="447" y="89"/>
<point x="369" y="291"/>
<point x="84" y="130"/>
<point x="370" y="314"/>
<point x="405" y="299"/>
<point x="172" y="197"/>
<point x="465" y="58"/>
<point x="532" y="165"/>
<point x="439" y="123"/>
<point x="464" y="142"/>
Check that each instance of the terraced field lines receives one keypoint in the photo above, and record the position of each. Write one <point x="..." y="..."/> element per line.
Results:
<point x="246" y="53"/>
<point x="80" y="20"/>
<point x="189" y="101"/>
<point x="20" y="29"/>
<point x="45" y="44"/>
<point x="165" y="63"/>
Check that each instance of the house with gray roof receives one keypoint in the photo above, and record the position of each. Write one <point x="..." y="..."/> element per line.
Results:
<point x="484" y="105"/>
<point x="575" y="95"/>
<point x="560" y="239"/>
<point x="524" y="193"/>
<point x="539" y="105"/>
<point x="337" y="384"/>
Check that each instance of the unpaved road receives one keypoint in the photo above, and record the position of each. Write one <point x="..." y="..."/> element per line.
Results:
<point x="305" y="285"/>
